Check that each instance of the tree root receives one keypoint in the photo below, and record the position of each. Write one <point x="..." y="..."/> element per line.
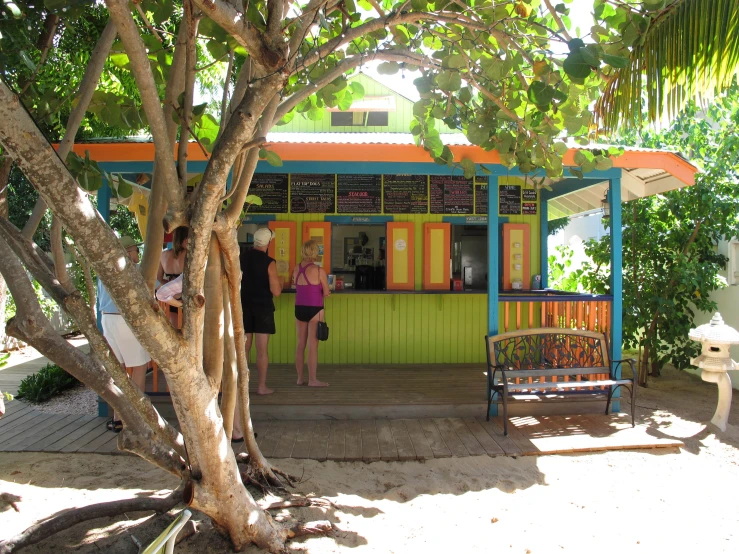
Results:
<point x="10" y="500"/>
<point x="265" y="478"/>
<point x="310" y="528"/>
<point x="298" y="502"/>
<point x="68" y="518"/>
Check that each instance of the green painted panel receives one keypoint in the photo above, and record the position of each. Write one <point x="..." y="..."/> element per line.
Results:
<point x="398" y="120"/>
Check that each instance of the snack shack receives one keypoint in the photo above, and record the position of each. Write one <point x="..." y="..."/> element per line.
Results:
<point x="423" y="262"/>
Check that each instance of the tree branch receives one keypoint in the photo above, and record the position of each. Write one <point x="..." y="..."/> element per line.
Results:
<point x="84" y="96"/>
<point x="555" y="16"/>
<point x="186" y="116"/>
<point x="141" y="69"/>
<point x="69" y="518"/>
<point x="246" y="34"/>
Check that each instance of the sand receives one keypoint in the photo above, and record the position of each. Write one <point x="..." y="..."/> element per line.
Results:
<point x="641" y="501"/>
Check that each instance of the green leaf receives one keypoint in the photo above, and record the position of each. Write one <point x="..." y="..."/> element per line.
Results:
<point x="274" y="159"/>
<point x="449" y="80"/>
<point x="575" y="66"/>
<point x="388" y="68"/>
<point x="217" y="49"/>
<point x="468" y="166"/>
<point x="603" y="164"/>
<point x="540" y="93"/>
<point x="420" y="5"/>
<point x="616" y="62"/>
<point x="253" y="199"/>
<point x="456" y="61"/>
<point x="357" y="90"/>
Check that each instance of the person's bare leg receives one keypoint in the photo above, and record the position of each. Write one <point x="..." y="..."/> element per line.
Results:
<point x="247" y="345"/>
<point x="237" y="432"/>
<point x="262" y="340"/>
<point x="313" y="354"/>
<point x="138" y="375"/>
<point x="302" y="331"/>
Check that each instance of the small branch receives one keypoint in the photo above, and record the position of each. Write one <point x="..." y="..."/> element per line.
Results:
<point x="186" y="114"/>
<point x="310" y="528"/>
<point x="46" y="41"/>
<point x="146" y="21"/>
<point x="558" y="19"/>
<point x="69" y="518"/>
<point x="226" y="88"/>
<point x="89" y="284"/>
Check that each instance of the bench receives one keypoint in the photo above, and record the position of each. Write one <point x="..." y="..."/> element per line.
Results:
<point x="550" y="360"/>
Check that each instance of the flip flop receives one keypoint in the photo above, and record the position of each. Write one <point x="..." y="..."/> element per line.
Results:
<point x="115" y="425"/>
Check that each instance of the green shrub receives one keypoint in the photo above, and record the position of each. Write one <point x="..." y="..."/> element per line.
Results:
<point x="41" y="386"/>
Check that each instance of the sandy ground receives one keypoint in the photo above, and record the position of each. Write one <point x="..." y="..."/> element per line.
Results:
<point x="641" y="501"/>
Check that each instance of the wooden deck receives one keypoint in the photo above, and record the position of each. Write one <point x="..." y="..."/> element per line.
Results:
<point x="24" y="429"/>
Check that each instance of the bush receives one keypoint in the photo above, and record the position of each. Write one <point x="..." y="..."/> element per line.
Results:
<point x="51" y="380"/>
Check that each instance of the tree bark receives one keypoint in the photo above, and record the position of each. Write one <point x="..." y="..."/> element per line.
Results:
<point x="5" y="168"/>
<point x="157" y="197"/>
<point x="84" y="96"/>
<point x="74" y="516"/>
<point x="230" y="372"/>
<point x="214" y="325"/>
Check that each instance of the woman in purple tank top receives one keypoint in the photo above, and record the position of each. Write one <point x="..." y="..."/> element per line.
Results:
<point x="311" y="286"/>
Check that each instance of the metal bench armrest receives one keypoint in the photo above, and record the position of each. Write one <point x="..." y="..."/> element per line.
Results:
<point x="617" y="363"/>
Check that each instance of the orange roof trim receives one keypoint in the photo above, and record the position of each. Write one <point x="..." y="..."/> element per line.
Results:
<point x="144" y="151"/>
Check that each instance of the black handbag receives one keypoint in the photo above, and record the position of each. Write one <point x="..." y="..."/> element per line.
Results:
<point x="322" y="329"/>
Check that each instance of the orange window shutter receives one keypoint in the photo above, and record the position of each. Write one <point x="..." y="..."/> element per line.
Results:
<point x="400" y="256"/>
<point x="283" y="248"/>
<point x="321" y="233"/>
<point x="516" y="255"/>
<point x="436" y="255"/>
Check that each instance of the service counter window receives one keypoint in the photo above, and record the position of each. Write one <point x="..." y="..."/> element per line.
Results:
<point x="469" y="257"/>
<point x="358" y="256"/>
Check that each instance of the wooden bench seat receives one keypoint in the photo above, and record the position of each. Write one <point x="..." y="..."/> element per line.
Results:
<point x="546" y="360"/>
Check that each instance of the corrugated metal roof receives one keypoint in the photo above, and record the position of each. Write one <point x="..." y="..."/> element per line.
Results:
<point x="451" y="139"/>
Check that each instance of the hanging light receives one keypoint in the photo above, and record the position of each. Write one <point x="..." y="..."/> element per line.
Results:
<point x="606" y="205"/>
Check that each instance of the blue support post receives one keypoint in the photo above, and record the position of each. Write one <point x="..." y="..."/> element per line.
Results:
<point x="493" y="263"/>
<point x="104" y="194"/>
<point x="544" y="239"/>
<point x="614" y="197"/>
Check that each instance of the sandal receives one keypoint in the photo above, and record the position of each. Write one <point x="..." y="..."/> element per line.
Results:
<point x="115" y="425"/>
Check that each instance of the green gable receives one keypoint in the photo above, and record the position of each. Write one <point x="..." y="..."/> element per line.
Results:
<point x="399" y="114"/>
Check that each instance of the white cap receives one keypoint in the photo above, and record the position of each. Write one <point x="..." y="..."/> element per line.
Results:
<point x="263" y="236"/>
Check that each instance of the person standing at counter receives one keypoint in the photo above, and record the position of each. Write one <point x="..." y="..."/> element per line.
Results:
<point x="311" y="286"/>
<point x="259" y="284"/>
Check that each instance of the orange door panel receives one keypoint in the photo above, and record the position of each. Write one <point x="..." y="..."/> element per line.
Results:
<point x="436" y="255"/>
<point x="321" y="233"/>
<point x="283" y="248"/>
<point x="400" y="256"/>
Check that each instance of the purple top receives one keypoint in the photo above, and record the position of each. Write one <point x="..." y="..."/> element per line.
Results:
<point x="308" y="294"/>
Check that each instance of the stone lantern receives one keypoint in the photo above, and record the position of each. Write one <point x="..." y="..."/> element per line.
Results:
<point x="715" y="360"/>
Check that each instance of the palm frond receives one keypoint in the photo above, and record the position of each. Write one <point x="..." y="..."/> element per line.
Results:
<point x="689" y="52"/>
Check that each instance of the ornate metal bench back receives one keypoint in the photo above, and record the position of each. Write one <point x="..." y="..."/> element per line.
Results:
<point x="549" y="348"/>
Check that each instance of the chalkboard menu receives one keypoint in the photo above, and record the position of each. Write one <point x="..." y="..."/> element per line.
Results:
<point x="359" y="194"/>
<point x="272" y="189"/>
<point x="529" y="202"/>
<point x="406" y="194"/>
<point x="312" y="193"/>
<point x="451" y="194"/>
<point x="510" y="200"/>
<point x="481" y="199"/>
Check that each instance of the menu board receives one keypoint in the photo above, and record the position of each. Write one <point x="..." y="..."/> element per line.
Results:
<point x="405" y="194"/>
<point x="310" y="193"/>
<point x="272" y="189"/>
<point x="510" y="200"/>
<point x="359" y="194"/>
<point x="481" y="199"/>
<point x="529" y="202"/>
<point x="451" y="194"/>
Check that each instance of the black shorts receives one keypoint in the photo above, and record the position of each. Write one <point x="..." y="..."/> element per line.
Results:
<point x="306" y="313"/>
<point x="259" y="319"/>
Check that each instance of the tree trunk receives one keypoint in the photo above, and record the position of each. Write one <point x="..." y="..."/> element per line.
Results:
<point x="5" y="167"/>
<point x="230" y="371"/>
<point x="216" y="487"/>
